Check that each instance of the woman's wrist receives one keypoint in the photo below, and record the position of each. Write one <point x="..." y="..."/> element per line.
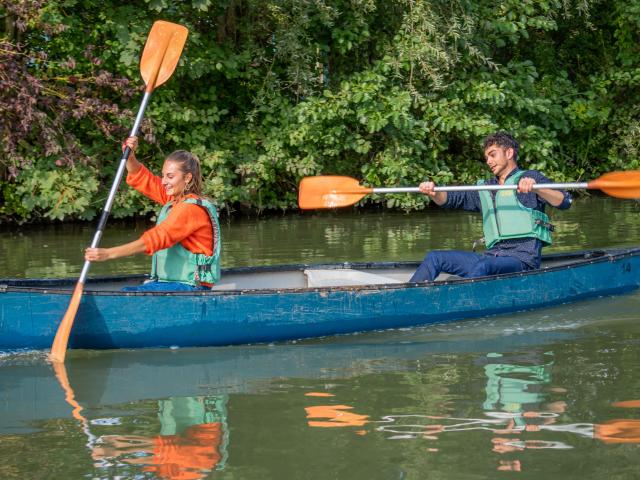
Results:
<point x="133" y="165"/>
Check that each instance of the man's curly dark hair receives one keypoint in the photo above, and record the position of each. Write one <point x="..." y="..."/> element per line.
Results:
<point x="504" y="140"/>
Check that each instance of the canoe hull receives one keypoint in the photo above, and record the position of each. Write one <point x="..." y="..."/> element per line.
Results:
<point x="29" y="316"/>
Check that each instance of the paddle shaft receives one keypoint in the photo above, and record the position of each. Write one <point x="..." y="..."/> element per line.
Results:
<point x="114" y="187"/>
<point x="471" y="188"/>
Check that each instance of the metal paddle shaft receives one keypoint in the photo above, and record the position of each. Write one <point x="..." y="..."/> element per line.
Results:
<point x="472" y="188"/>
<point x="333" y="191"/>
<point x="114" y="187"/>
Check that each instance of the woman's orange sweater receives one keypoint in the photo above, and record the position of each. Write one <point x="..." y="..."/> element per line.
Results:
<point x="186" y="223"/>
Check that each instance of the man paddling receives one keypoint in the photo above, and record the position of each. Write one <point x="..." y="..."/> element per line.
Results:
<point x="514" y="224"/>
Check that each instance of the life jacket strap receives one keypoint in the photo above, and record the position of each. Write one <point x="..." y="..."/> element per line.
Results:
<point x="477" y="243"/>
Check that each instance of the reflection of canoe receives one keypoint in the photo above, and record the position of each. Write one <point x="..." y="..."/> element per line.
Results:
<point x="30" y="393"/>
<point x="264" y="304"/>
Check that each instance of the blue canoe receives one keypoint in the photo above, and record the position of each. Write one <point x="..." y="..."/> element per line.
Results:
<point x="266" y="304"/>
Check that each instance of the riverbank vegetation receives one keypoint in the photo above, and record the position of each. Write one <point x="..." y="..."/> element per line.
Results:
<point x="270" y="91"/>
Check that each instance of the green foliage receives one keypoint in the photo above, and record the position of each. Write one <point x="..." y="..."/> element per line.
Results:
<point x="60" y="193"/>
<point x="11" y="204"/>
<point x="267" y="92"/>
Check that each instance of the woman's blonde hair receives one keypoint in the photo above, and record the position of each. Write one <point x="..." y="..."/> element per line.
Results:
<point x="188" y="163"/>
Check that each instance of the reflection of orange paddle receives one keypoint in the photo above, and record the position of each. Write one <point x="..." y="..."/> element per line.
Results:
<point x="336" y="416"/>
<point x="159" y="59"/>
<point x="336" y="191"/>
<point x="70" y="397"/>
<point x="191" y="455"/>
<point x="618" y="431"/>
<point x="627" y="404"/>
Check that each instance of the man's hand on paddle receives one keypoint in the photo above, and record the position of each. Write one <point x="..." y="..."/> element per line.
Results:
<point x="552" y="197"/>
<point x="525" y="185"/>
<point x="428" y="188"/>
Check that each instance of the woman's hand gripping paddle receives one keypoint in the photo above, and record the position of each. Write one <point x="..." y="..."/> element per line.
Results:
<point x="159" y="59"/>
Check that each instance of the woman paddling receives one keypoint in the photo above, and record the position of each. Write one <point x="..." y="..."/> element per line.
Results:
<point x="185" y="243"/>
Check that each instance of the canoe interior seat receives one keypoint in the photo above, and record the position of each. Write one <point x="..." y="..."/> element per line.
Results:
<point x="344" y="277"/>
<point x="446" y="277"/>
<point x="225" y="286"/>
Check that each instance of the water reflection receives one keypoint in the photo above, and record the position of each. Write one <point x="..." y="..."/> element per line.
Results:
<point x="511" y="387"/>
<point x="433" y="400"/>
<point x="516" y="406"/>
<point x="514" y="392"/>
<point x="331" y="416"/>
<point x="620" y="430"/>
<point x="191" y="442"/>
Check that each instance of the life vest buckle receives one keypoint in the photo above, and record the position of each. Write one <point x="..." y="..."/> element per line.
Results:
<point x="546" y="225"/>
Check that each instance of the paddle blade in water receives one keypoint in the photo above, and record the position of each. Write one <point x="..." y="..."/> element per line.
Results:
<point x="59" y="347"/>
<point x="329" y="192"/>
<point x="618" y="184"/>
<point x="162" y="52"/>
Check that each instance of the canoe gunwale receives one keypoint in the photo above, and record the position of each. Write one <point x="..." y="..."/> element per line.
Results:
<point x="581" y="258"/>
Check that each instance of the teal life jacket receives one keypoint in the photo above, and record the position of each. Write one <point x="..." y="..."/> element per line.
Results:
<point x="504" y="217"/>
<point x="177" y="264"/>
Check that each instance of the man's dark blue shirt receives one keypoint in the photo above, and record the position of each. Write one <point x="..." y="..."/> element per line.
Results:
<point x="527" y="250"/>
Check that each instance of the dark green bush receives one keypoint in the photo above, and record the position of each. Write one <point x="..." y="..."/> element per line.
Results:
<point x="270" y="91"/>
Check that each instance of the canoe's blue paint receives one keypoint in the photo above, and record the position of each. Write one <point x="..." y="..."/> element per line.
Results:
<point x="29" y="316"/>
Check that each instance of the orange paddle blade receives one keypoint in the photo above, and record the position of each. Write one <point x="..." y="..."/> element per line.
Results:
<point x="162" y="52"/>
<point x="618" y="184"/>
<point x="329" y="192"/>
<point x="59" y="347"/>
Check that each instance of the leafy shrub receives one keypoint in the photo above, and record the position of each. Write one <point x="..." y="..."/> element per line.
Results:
<point x="267" y="92"/>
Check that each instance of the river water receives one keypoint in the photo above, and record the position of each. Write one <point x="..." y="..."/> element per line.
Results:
<point x="552" y="393"/>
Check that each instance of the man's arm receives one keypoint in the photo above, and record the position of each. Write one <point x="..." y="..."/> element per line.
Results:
<point x="556" y="198"/>
<point x="456" y="200"/>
